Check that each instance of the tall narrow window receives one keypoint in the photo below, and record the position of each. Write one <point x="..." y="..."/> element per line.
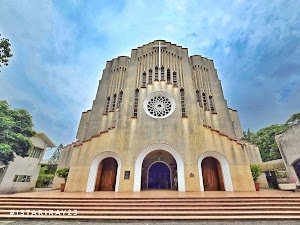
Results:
<point x="162" y="73"/>
<point x="150" y="77"/>
<point x="136" y="102"/>
<point x="156" y="73"/>
<point x="204" y="101"/>
<point x="107" y="105"/>
<point x="183" y="110"/>
<point x="113" y="106"/>
<point x="168" y="76"/>
<point x="198" y="96"/>
<point x="120" y="99"/>
<point x="174" y="79"/>
<point x="144" y="80"/>
<point x="211" y="103"/>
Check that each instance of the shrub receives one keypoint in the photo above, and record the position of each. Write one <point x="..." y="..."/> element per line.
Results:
<point x="62" y="173"/>
<point x="256" y="171"/>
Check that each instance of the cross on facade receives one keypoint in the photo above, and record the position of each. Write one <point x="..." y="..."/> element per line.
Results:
<point x="159" y="46"/>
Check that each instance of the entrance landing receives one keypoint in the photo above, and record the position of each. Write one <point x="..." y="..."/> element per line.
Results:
<point x="155" y="194"/>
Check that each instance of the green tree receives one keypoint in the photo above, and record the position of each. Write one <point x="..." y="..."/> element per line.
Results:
<point x="45" y="177"/>
<point x="295" y="119"/>
<point x="247" y="135"/>
<point x="62" y="173"/>
<point x="15" y="132"/>
<point x="5" y="52"/>
<point x="265" y="140"/>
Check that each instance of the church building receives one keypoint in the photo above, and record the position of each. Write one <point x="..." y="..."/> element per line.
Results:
<point x="159" y="121"/>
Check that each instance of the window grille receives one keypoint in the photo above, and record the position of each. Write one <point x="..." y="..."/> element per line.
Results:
<point x="162" y="74"/>
<point x="183" y="110"/>
<point x="144" y="80"/>
<point x="204" y="101"/>
<point x="113" y="106"/>
<point x="150" y="77"/>
<point x="198" y="96"/>
<point x="168" y="76"/>
<point x="174" y="79"/>
<point x="136" y="102"/>
<point x="120" y="99"/>
<point x="211" y="102"/>
<point x="156" y="73"/>
<point x="107" y="105"/>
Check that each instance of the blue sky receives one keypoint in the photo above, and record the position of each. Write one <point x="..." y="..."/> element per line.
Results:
<point x="60" y="49"/>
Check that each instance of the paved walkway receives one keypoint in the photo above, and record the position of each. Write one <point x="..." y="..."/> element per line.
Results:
<point x="155" y="194"/>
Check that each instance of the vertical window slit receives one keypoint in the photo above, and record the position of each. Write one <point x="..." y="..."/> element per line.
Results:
<point x="113" y="106"/>
<point x="204" y="101"/>
<point x="144" y="80"/>
<point x="150" y="76"/>
<point x="174" y="79"/>
<point x="107" y="105"/>
<point x="120" y="99"/>
<point x="198" y="96"/>
<point x="183" y="109"/>
<point x="136" y="101"/>
<point x="211" y="103"/>
<point x="168" y="76"/>
<point x="156" y="73"/>
<point x="162" y="73"/>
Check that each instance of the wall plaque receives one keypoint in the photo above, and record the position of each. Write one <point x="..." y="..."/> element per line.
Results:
<point x="127" y="175"/>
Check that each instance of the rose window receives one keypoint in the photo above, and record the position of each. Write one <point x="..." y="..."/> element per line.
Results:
<point x="159" y="105"/>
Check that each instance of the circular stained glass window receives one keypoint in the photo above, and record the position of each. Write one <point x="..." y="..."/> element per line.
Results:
<point x="159" y="104"/>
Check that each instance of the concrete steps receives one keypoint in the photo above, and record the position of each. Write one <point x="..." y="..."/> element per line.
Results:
<point x="206" y="208"/>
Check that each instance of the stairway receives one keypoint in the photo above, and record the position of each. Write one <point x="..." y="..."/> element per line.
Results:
<point x="205" y="208"/>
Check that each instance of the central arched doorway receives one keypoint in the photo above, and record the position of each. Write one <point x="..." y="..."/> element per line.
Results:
<point x="159" y="176"/>
<point x="212" y="175"/>
<point x="159" y="171"/>
<point x="106" y="175"/>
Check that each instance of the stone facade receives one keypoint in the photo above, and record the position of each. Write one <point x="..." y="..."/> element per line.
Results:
<point x="289" y="147"/>
<point x="153" y="106"/>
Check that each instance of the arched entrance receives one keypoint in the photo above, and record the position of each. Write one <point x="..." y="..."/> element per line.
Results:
<point x="142" y="165"/>
<point x="106" y="175"/>
<point x="212" y="175"/>
<point x="91" y="183"/>
<point x="159" y="171"/>
<point x="225" y="170"/>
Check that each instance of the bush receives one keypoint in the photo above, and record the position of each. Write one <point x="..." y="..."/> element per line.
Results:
<point x="62" y="173"/>
<point x="256" y="171"/>
<point x="45" y="178"/>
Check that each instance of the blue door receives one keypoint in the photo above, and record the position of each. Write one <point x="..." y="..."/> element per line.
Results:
<point x="159" y="176"/>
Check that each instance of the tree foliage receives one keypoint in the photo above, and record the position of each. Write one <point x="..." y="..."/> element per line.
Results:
<point x="265" y="138"/>
<point x="5" y="51"/>
<point x="62" y="173"/>
<point x="295" y="119"/>
<point x="45" y="177"/>
<point x="256" y="171"/>
<point x="247" y="135"/>
<point x="16" y="129"/>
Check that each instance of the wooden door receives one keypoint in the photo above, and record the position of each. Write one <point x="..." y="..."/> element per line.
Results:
<point x="212" y="175"/>
<point x="108" y="175"/>
<point x="98" y="178"/>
